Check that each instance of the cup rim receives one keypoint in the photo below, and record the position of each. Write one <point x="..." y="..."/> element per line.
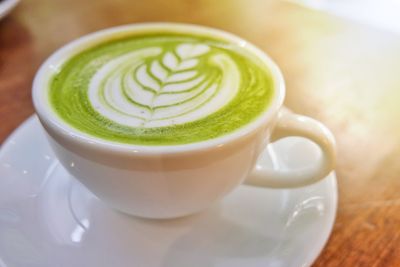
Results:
<point x="52" y="64"/>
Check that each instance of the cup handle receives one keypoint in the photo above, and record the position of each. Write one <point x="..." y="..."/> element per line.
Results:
<point x="290" y="124"/>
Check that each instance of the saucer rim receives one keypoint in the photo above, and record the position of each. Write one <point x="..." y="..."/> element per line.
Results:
<point x="6" y="7"/>
<point x="31" y="120"/>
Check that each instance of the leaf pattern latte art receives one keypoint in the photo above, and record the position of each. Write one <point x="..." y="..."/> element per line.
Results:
<point x="155" y="86"/>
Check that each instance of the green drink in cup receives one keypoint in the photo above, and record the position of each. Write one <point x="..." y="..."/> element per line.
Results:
<point x="161" y="120"/>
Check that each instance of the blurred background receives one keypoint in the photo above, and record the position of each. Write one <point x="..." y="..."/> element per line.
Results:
<point x="341" y="62"/>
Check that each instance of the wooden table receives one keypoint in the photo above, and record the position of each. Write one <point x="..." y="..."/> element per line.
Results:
<point x="337" y="71"/>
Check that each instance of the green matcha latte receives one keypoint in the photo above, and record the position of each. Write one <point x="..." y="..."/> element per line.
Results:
<point x="161" y="88"/>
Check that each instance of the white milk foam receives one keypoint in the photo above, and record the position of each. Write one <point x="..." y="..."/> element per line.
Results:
<point x="153" y="88"/>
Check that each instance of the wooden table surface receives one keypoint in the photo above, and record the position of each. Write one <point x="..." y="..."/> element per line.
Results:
<point x="342" y="73"/>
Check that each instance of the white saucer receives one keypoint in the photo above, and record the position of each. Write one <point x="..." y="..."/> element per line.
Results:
<point x="5" y="7"/>
<point x="47" y="218"/>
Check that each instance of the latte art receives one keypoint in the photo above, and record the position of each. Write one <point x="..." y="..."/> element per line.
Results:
<point x="160" y="88"/>
<point x="155" y="87"/>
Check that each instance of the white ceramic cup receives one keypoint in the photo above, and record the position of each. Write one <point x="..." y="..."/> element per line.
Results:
<point x="173" y="181"/>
